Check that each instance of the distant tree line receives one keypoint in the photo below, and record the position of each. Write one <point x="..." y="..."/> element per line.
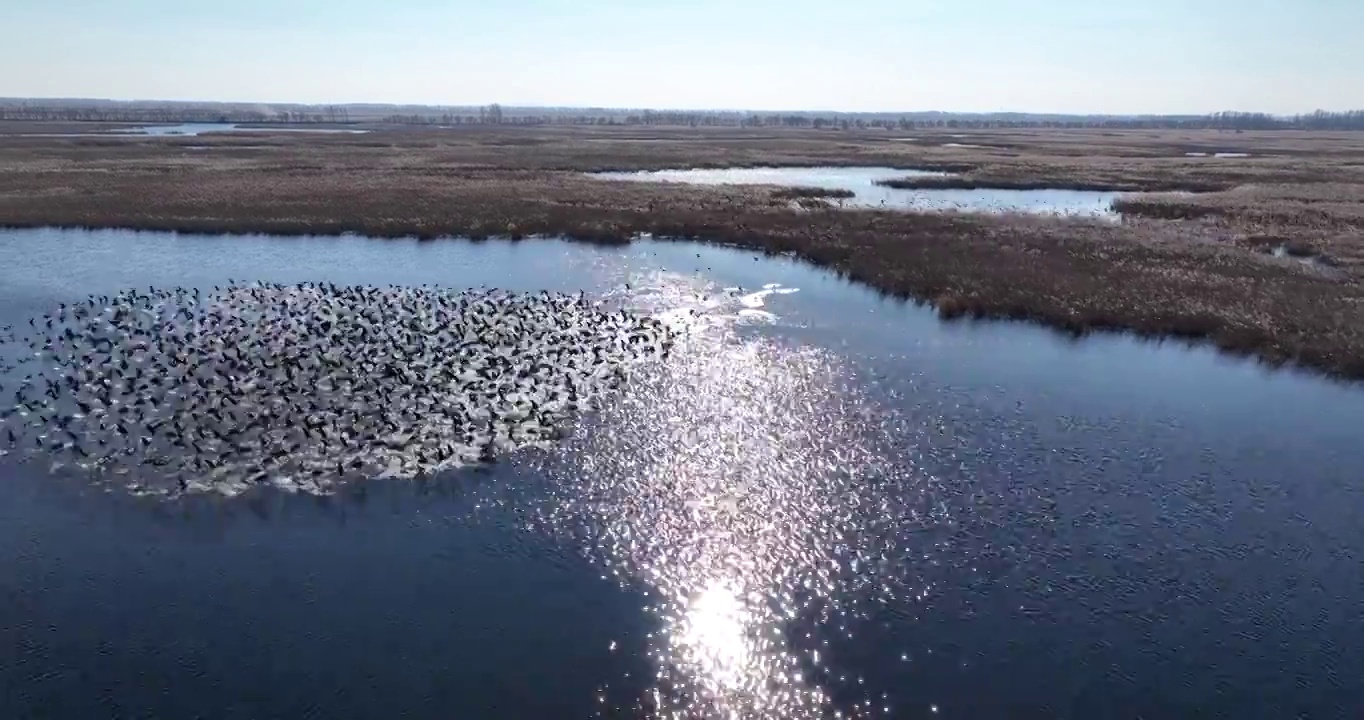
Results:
<point x="493" y="114"/>
<point x="168" y="114"/>
<point x="76" y="110"/>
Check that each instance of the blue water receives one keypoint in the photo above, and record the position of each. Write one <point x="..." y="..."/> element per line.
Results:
<point x="987" y="519"/>
<point x="861" y="181"/>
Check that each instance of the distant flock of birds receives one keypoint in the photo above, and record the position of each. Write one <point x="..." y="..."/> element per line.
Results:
<point x="305" y="386"/>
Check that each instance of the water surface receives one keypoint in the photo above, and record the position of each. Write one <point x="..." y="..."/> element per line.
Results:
<point x="825" y="501"/>
<point x="193" y="129"/>
<point x="862" y="182"/>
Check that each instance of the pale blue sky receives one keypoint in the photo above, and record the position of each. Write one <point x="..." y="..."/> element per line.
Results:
<point x="1278" y="56"/>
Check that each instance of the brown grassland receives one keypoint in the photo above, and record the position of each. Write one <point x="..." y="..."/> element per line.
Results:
<point x="1182" y="264"/>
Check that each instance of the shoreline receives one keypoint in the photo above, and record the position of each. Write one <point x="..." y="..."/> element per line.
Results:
<point x="1209" y="280"/>
<point x="970" y="181"/>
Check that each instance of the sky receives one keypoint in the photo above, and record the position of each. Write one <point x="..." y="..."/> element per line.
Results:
<point x="1082" y="56"/>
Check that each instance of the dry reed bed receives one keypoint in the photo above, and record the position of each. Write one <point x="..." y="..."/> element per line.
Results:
<point x="978" y="180"/>
<point x="1205" y="278"/>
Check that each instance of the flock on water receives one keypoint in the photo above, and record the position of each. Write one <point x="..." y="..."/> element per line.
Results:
<point x="306" y="386"/>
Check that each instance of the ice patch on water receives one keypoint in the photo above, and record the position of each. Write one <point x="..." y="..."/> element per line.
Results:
<point x="758" y="299"/>
<point x="687" y="303"/>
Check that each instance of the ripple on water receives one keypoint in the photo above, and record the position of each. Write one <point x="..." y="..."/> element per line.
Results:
<point x="744" y="497"/>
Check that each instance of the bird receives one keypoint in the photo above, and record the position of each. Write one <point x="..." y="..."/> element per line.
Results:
<point x="268" y="383"/>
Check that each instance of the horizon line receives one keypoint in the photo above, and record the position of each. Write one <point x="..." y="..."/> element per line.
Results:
<point x="750" y="111"/>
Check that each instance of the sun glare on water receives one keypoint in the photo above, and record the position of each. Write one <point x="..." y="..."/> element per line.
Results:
<point x="712" y="636"/>
<point x="732" y="486"/>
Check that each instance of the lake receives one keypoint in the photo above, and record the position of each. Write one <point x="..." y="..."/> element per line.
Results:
<point x="193" y="129"/>
<point x="861" y="181"/>
<point x="824" y="500"/>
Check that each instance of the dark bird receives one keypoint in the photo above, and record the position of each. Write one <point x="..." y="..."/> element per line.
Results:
<point x="321" y="381"/>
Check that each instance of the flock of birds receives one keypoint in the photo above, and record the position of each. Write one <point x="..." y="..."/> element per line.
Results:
<point x="304" y="386"/>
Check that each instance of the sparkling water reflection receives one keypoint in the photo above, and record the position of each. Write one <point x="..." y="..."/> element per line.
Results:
<point x="738" y="488"/>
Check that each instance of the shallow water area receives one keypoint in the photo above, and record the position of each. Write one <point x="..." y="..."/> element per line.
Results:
<point x="839" y="504"/>
<point x="862" y="182"/>
<point x="195" y="129"/>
